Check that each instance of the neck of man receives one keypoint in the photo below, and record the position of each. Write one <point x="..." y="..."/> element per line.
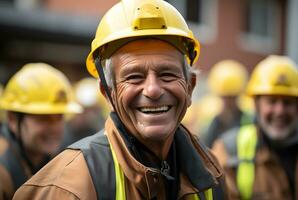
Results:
<point x="160" y="148"/>
<point x="288" y="142"/>
<point x="36" y="159"/>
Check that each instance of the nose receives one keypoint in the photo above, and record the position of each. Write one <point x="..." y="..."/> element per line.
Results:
<point x="152" y="87"/>
<point x="280" y="107"/>
<point x="56" y="122"/>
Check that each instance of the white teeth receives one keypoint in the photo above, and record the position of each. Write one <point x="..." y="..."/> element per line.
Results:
<point x="159" y="109"/>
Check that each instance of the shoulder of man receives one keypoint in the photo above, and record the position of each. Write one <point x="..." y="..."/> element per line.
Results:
<point x="225" y="148"/>
<point x="209" y="160"/>
<point x="212" y="164"/>
<point x="7" y="189"/>
<point x="208" y="157"/>
<point x="67" y="175"/>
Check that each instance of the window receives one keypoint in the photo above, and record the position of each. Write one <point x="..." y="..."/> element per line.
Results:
<point x="201" y="16"/>
<point x="22" y="4"/>
<point x="262" y="26"/>
<point x="258" y="17"/>
<point x="27" y="4"/>
<point x="193" y="13"/>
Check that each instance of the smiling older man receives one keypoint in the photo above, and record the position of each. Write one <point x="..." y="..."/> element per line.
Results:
<point x="145" y="50"/>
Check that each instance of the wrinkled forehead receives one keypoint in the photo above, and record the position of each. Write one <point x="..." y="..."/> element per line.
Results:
<point x="148" y="52"/>
<point x="148" y="46"/>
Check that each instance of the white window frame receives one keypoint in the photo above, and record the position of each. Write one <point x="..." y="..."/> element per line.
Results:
<point x="27" y="4"/>
<point x="206" y="31"/>
<point x="267" y="44"/>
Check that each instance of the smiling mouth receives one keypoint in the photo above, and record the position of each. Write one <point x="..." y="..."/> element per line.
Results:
<point x="154" y="110"/>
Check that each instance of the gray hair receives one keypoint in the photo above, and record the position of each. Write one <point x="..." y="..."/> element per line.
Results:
<point x="107" y="65"/>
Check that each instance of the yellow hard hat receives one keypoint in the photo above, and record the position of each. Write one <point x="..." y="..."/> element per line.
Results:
<point x="227" y="78"/>
<point x="275" y="75"/>
<point x="87" y="94"/>
<point x="129" y="20"/>
<point x="39" y="88"/>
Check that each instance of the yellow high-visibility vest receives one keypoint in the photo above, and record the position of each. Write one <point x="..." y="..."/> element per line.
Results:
<point x="120" y="184"/>
<point x="246" y="150"/>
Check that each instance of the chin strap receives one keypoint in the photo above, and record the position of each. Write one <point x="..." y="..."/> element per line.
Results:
<point x="103" y="80"/>
<point x="128" y="138"/>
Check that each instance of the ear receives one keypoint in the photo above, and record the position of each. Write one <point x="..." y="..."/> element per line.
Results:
<point x="190" y="87"/>
<point x="103" y="92"/>
<point x="12" y="122"/>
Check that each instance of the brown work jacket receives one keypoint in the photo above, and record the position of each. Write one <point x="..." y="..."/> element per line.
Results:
<point x="67" y="176"/>
<point x="270" y="181"/>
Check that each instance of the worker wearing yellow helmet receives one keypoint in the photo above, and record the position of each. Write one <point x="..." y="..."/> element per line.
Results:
<point x="92" y="119"/>
<point x="34" y="99"/>
<point x="142" y="53"/>
<point x="227" y="80"/>
<point x="87" y="94"/>
<point x="201" y="112"/>
<point x="261" y="159"/>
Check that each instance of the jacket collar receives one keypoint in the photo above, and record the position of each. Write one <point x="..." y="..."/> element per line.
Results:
<point x="197" y="170"/>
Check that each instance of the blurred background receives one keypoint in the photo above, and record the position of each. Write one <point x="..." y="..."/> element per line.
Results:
<point x="60" y="33"/>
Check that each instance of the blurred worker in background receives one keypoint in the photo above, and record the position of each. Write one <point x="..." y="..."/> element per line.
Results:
<point x="143" y="51"/>
<point x="227" y="79"/>
<point x="201" y="112"/>
<point x="261" y="159"/>
<point x="35" y="99"/>
<point x="92" y="119"/>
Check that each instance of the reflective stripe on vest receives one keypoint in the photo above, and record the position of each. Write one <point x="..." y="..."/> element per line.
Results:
<point x="246" y="149"/>
<point x="207" y="196"/>
<point x="120" y="184"/>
